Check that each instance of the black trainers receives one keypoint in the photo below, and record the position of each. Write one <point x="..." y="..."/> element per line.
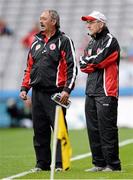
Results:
<point x="42" y="167"/>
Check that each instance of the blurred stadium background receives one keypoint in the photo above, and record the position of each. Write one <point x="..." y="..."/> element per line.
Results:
<point x="20" y="15"/>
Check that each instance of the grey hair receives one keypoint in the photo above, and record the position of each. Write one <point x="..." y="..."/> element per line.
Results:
<point x="55" y="15"/>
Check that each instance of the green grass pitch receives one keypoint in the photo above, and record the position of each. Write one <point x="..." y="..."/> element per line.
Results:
<point x="17" y="156"/>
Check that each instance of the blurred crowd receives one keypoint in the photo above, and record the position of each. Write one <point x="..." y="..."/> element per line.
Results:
<point x="29" y="37"/>
<point x="5" y="29"/>
<point x="26" y="41"/>
<point x="20" y="115"/>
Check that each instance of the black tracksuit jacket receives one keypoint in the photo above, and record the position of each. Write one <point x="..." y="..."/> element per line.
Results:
<point x="100" y="62"/>
<point x="50" y="65"/>
<point x="51" y="68"/>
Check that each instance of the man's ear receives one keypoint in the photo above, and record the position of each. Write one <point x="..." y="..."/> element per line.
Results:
<point x="53" y="21"/>
<point x="102" y="24"/>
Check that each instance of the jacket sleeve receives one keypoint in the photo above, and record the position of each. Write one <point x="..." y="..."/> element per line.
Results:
<point x="68" y="54"/>
<point x="105" y="57"/>
<point x="26" y="80"/>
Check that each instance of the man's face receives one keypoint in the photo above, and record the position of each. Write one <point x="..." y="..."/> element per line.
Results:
<point x="46" y="22"/>
<point x="94" y="27"/>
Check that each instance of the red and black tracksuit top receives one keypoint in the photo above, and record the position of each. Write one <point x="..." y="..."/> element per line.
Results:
<point x="51" y="64"/>
<point x="101" y="63"/>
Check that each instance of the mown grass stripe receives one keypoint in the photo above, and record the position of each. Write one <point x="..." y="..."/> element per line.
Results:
<point x="121" y="144"/>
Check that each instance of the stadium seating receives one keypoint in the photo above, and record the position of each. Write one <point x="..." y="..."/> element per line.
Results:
<point x="21" y="14"/>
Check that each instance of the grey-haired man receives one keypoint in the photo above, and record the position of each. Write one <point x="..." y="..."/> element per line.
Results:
<point x="51" y="68"/>
<point x="101" y="62"/>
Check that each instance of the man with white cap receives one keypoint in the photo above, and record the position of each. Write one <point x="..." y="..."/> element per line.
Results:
<point x="101" y="62"/>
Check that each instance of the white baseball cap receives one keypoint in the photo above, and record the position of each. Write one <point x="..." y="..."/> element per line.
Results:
<point x="95" y="15"/>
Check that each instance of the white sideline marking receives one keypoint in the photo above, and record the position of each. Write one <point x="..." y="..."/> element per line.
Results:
<point x="123" y="143"/>
<point x="82" y="156"/>
<point x="18" y="175"/>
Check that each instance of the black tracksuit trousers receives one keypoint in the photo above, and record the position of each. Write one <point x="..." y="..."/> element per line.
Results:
<point x="101" y="119"/>
<point x="43" y="115"/>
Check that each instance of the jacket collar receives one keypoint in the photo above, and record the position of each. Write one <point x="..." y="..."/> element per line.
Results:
<point x="41" y="35"/>
<point x="101" y="34"/>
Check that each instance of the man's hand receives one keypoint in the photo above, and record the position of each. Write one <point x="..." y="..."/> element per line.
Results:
<point x="23" y="95"/>
<point x="64" y="97"/>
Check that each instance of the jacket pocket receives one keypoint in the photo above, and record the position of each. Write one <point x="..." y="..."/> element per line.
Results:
<point x="35" y="76"/>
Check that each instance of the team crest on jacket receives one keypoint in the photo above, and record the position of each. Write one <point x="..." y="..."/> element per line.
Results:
<point x="52" y="46"/>
<point x="38" y="47"/>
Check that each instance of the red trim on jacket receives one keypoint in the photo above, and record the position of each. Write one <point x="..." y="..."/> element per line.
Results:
<point x="106" y="62"/>
<point x="62" y="70"/>
<point x="109" y="64"/>
<point x="109" y="60"/>
<point x="88" y="69"/>
<point x="111" y="86"/>
<point x="26" y="79"/>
